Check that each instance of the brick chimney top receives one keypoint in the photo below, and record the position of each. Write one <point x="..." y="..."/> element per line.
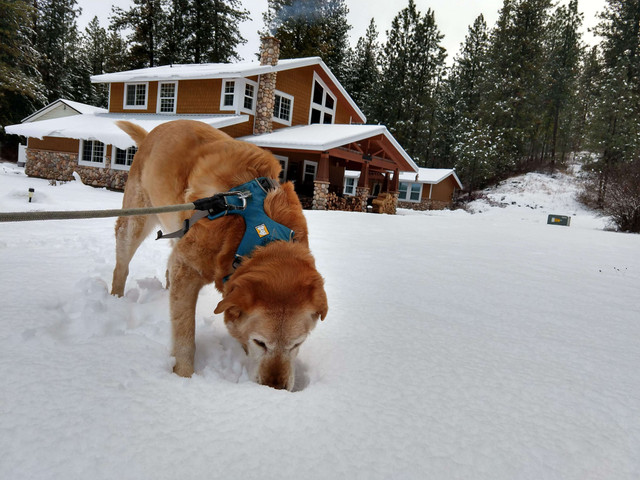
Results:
<point x="269" y="51"/>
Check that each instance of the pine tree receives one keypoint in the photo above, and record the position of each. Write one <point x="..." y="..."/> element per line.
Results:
<point x="412" y="70"/>
<point x="215" y="30"/>
<point x="469" y="142"/>
<point x="147" y="20"/>
<point x="56" y="40"/>
<point x="94" y="54"/>
<point x="21" y="89"/>
<point x="614" y="127"/>
<point x="362" y="74"/>
<point x="308" y="28"/>
<point x="563" y="54"/>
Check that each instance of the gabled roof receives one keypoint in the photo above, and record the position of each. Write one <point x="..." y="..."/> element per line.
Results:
<point x="77" y="107"/>
<point x="429" y="175"/>
<point x="101" y="126"/>
<point x="203" y="71"/>
<point x="320" y="138"/>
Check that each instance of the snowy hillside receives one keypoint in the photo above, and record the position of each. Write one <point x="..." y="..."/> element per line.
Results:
<point x="457" y="346"/>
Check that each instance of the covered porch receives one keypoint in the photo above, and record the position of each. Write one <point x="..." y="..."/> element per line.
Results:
<point x="317" y="157"/>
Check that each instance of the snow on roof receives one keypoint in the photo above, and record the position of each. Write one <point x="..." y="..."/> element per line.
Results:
<point x="202" y="71"/>
<point x="320" y="137"/>
<point x="102" y="127"/>
<point x="77" y="106"/>
<point x="429" y="175"/>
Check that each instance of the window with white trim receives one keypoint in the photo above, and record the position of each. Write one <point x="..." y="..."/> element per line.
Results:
<point x="350" y="184"/>
<point x="284" y="162"/>
<point x="167" y="97"/>
<point x="323" y="103"/>
<point x="122" y="159"/>
<point x="409" y="192"/>
<point x="239" y="95"/>
<point x="135" y="95"/>
<point x="228" y="95"/>
<point x="282" y="108"/>
<point x="91" y="153"/>
<point x="310" y="170"/>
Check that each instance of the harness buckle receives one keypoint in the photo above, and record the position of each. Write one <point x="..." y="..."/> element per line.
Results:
<point x="242" y="195"/>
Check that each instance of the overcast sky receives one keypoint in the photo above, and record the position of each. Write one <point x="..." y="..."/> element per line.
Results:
<point x="453" y="17"/>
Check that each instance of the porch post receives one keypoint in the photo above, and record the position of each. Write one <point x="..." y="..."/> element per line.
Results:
<point x="321" y="183"/>
<point x="362" y="190"/>
<point x="394" y="190"/>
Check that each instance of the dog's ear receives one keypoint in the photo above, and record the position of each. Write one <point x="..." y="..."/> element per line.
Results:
<point x="233" y="303"/>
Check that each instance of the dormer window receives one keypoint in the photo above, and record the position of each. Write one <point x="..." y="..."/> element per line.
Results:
<point x="239" y="96"/>
<point x="135" y="96"/>
<point x="323" y="103"/>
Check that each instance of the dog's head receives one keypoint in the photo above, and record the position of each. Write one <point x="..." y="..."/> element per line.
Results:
<point x="271" y="303"/>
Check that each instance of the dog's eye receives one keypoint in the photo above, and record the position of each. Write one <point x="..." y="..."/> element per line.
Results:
<point x="261" y="344"/>
<point x="296" y="346"/>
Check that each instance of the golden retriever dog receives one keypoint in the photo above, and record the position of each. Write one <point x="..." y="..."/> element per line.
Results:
<point x="274" y="298"/>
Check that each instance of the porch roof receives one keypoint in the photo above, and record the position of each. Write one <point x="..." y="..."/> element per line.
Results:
<point x="323" y="138"/>
<point x="102" y="127"/>
<point x="430" y="175"/>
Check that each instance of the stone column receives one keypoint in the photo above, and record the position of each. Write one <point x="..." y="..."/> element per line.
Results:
<point x="320" y="192"/>
<point x="265" y="101"/>
<point x="363" y="194"/>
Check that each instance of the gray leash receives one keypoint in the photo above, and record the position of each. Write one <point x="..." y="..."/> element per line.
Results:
<point x="212" y="205"/>
<point x="82" y="214"/>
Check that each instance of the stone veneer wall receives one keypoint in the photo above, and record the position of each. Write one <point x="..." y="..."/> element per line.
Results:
<point x="320" y="193"/>
<point x="61" y="165"/>
<point x="363" y="194"/>
<point x="265" y="101"/>
<point x="424" y="205"/>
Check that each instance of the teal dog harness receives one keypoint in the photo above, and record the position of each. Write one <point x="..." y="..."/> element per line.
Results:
<point x="246" y="200"/>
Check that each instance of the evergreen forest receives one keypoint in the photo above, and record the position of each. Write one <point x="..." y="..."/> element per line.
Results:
<point x="524" y="94"/>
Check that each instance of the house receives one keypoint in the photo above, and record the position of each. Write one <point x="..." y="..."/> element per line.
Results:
<point x="295" y="108"/>
<point x="429" y="189"/>
<point x="59" y="108"/>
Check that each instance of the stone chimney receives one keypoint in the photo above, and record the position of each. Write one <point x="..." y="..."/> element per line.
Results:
<point x="269" y="53"/>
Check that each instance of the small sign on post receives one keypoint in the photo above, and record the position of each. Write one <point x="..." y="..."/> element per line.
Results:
<point x="559" y="220"/>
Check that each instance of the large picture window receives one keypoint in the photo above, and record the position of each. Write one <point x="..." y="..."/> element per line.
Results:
<point x="135" y="96"/>
<point x="91" y="153"/>
<point x="409" y="192"/>
<point x="167" y="97"/>
<point x="323" y="103"/>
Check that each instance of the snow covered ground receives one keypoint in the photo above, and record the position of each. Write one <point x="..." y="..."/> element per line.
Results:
<point x="457" y="346"/>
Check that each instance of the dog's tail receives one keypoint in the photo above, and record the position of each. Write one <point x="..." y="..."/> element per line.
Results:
<point x="136" y="132"/>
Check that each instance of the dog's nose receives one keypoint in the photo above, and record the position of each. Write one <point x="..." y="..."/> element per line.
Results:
<point x="277" y="383"/>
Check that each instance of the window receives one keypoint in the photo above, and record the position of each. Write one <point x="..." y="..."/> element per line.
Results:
<point x="239" y="95"/>
<point x="284" y="161"/>
<point x="122" y="159"/>
<point x="91" y="153"/>
<point x="350" y="184"/>
<point x="410" y="192"/>
<point x="249" y="95"/>
<point x="167" y="96"/>
<point x="282" y="108"/>
<point x="323" y="103"/>
<point x="310" y="170"/>
<point x="228" y="95"/>
<point x="135" y="96"/>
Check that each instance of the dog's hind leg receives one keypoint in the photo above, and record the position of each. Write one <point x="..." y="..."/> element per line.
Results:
<point x="130" y="232"/>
